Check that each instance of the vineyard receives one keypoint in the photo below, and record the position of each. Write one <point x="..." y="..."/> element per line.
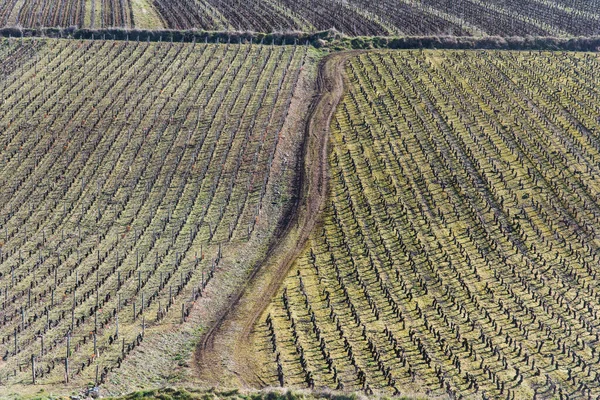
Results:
<point x="68" y="13"/>
<point x="352" y="17"/>
<point x="458" y="250"/>
<point x="334" y="197"/>
<point x="135" y="178"/>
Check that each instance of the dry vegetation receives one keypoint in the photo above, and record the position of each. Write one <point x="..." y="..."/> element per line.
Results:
<point x="157" y="187"/>
<point x="353" y="17"/>
<point x="132" y="176"/>
<point x="458" y="253"/>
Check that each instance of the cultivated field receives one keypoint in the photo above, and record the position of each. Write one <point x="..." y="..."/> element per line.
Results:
<point x="139" y="184"/>
<point x="459" y="250"/>
<point x="76" y="13"/>
<point x="353" y="17"/>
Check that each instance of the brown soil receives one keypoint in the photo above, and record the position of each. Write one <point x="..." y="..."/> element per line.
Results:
<point x="224" y="356"/>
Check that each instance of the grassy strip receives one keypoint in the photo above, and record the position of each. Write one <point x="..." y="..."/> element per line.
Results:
<point x="193" y="394"/>
<point x="169" y="393"/>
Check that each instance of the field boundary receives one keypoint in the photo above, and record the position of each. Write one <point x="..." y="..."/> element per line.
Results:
<point x="329" y="39"/>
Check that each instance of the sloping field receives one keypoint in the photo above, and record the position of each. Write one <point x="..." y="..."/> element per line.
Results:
<point x="459" y="249"/>
<point x="72" y="13"/>
<point x="139" y="185"/>
<point x="352" y="17"/>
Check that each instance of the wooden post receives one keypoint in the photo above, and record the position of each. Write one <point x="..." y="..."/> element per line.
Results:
<point x="182" y="311"/>
<point x="33" y="368"/>
<point x="67" y="370"/>
<point x="95" y="346"/>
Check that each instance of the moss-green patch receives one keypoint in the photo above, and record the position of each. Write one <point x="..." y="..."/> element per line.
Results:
<point x="145" y="15"/>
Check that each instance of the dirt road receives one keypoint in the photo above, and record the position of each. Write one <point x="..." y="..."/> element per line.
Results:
<point x="224" y="357"/>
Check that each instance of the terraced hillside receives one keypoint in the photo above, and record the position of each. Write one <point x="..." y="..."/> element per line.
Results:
<point x="459" y="250"/>
<point x="139" y="185"/>
<point x="352" y="17"/>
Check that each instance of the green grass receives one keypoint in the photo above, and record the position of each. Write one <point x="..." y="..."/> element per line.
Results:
<point x="145" y="15"/>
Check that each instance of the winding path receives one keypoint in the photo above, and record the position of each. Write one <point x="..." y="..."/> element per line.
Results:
<point x="224" y="356"/>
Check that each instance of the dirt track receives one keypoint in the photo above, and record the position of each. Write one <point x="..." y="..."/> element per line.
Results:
<point x="224" y="356"/>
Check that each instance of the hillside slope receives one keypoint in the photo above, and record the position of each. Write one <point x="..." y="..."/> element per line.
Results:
<point x="352" y="17"/>
<point x="139" y="185"/>
<point x="458" y="253"/>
